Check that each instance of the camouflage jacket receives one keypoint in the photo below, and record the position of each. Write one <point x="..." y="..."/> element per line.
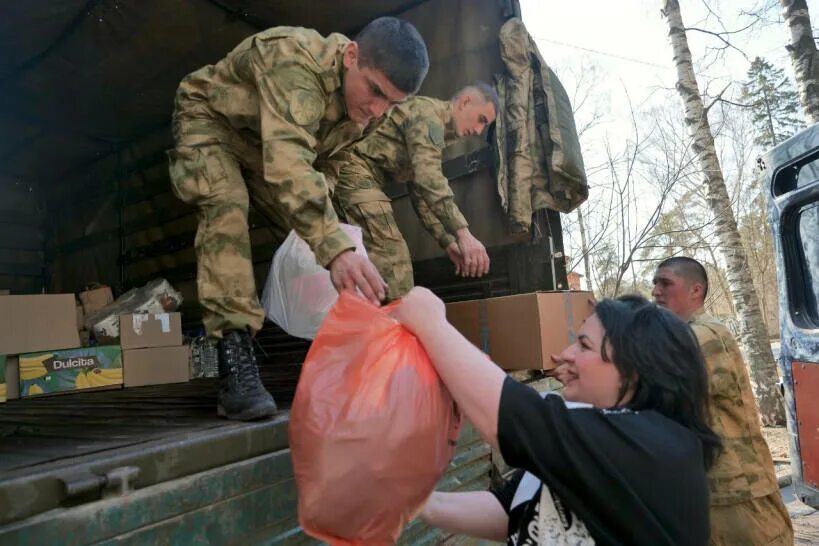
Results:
<point x="744" y="470"/>
<point x="538" y="154"/>
<point x="406" y="148"/>
<point x="280" y="90"/>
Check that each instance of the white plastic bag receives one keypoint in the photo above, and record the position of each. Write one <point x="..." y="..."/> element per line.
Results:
<point x="298" y="292"/>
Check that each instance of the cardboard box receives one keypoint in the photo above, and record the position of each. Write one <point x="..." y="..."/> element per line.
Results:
<point x="96" y="298"/>
<point x="142" y="331"/>
<point x="521" y="332"/>
<point x="70" y="370"/>
<point x="37" y="323"/>
<point x="12" y="378"/>
<point x="156" y="366"/>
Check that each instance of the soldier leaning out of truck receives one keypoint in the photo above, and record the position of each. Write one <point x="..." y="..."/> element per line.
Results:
<point x="407" y="148"/>
<point x="251" y="127"/>
<point x="746" y="505"/>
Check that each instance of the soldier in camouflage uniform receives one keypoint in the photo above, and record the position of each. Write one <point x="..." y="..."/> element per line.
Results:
<point x="746" y="505"/>
<point x="407" y="148"/>
<point x="251" y="127"/>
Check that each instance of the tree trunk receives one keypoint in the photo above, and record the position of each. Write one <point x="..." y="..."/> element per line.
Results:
<point x="753" y="333"/>
<point x="584" y="248"/>
<point x="804" y="56"/>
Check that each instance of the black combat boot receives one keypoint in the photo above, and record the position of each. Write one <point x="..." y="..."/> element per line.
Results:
<point x="241" y="394"/>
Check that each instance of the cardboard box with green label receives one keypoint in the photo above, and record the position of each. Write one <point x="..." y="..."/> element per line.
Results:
<point x="70" y="370"/>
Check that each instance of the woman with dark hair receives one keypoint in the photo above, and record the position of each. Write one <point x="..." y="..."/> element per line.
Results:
<point x="628" y="467"/>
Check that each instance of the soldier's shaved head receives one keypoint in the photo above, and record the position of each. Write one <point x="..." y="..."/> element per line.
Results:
<point x="680" y="284"/>
<point x="689" y="269"/>
<point x="483" y="90"/>
<point x="474" y="108"/>
<point x="395" y="48"/>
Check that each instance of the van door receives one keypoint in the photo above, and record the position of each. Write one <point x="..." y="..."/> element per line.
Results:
<point x="792" y="178"/>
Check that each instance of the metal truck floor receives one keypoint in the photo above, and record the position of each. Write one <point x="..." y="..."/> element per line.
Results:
<point x="63" y="448"/>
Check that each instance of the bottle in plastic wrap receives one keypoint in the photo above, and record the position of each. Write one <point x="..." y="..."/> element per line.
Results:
<point x="204" y="358"/>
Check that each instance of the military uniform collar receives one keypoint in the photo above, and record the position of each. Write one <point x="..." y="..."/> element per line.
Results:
<point x="333" y="77"/>
<point x="699" y="314"/>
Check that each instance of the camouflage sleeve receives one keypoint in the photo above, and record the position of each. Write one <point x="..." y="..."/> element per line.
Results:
<point x="425" y="140"/>
<point x="291" y="103"/>
<point x="429" y="220"/>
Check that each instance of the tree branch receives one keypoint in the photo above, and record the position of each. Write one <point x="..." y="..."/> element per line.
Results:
<point x="718" y="35"/>
<point x="717" y="99"/>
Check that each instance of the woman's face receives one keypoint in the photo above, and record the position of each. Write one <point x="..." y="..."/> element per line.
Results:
<point x="587" y="377"/>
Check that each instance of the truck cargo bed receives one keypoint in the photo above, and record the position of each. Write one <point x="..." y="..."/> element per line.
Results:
<point x="58" y="450"/>
<point x="50" y="429"/>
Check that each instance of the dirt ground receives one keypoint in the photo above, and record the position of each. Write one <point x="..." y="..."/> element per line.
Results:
<point x="777" y="438"/>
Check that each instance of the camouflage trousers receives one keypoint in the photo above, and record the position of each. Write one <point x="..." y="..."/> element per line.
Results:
<point x="219" y="176"/>
<point x="760" y="521"/>
<point x="370" y="209"/>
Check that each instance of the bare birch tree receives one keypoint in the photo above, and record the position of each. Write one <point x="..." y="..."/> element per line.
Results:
<point x="804" y="56"/>
<point x="753" y="333"/>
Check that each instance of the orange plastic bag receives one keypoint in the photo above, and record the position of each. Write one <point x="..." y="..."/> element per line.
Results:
<point x="372" y="428"/>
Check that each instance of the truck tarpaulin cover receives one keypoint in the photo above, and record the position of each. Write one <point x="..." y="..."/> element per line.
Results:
<point x="372" y="427"/>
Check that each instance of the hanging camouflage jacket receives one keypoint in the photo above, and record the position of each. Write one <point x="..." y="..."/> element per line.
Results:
<point x="538" y="151"/>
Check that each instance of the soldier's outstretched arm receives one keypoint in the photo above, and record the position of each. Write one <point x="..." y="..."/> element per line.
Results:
<point x="435" y="228"/>
<point x="424" y="137"/>
<point x="430" y="222"/>
<point x="291" y="102"/>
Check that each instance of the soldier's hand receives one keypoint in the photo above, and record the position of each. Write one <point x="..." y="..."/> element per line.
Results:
<point x="455" y="256"/>
<point x="475" y="258"/>
<point x="349" y="271"/>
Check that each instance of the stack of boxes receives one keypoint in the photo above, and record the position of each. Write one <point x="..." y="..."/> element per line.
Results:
<point x="152" y="349"/>
<point x="41" y="352"/>
<point x="39" y="340"/>
<point x="41" y="345"/>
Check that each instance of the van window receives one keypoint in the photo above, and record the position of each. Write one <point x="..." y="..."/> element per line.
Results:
<point x="797" y="176"/>
<point x="805" y="296"/>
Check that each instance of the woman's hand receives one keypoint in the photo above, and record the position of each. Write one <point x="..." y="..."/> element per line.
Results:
<point x="473" y="380"/>
<point x="420" y="311"/>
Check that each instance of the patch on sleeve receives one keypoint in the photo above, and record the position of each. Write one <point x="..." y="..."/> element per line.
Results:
<point x="306" y="107"/>
<point x="436" y="134"/>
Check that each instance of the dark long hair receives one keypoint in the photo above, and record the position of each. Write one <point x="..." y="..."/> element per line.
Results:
<point x="658" y="356"/>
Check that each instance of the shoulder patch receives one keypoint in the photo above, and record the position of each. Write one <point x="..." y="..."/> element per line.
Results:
<point x="306" y="107"/>
<point x="436" y="134"/>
